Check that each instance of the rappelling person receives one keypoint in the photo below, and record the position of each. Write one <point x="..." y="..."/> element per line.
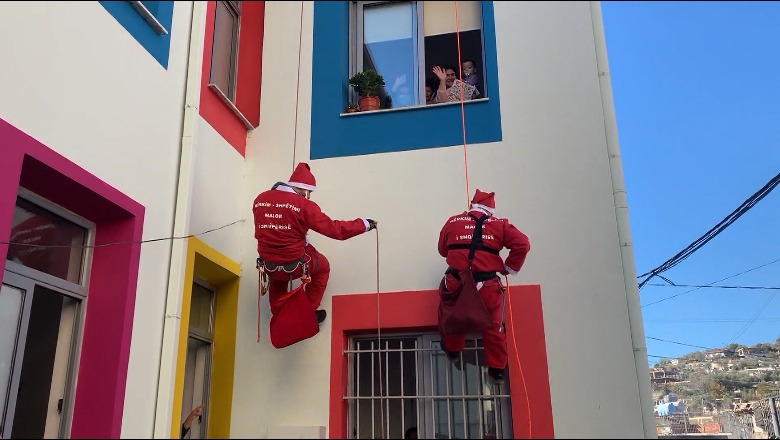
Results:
<point x="471" y="242"/>
<point x="283" y="216"/>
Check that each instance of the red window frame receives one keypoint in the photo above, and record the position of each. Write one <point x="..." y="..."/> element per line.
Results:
<point x="416" y="311"/>
<point x="213" y="109"/>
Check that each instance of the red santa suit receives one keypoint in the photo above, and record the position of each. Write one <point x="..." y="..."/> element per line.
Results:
<point x="282" y="220"/>
<point x="497" y="233"/>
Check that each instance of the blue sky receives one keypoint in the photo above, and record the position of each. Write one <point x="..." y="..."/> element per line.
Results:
<point x="697" y="98"/>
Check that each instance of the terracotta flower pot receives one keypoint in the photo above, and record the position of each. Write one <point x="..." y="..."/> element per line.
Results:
<point x="367" y="103"/>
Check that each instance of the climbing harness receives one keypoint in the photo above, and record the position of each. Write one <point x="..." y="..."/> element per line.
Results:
<point x="265" y="268"/>
<point x="463" y="310"/>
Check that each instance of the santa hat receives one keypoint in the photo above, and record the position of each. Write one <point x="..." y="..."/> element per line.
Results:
<point x="484" y="200"/>
<point x="303" y="178"/>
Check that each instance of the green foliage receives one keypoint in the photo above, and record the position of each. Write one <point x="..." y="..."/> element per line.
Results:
<point x="696" y="356"/>
<point x="367" y="83"/>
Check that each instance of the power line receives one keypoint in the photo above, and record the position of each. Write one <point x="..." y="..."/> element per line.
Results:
<point x="119" y="242"/>
<point x="701" y="286"/>
<point x="712" y="233"/>
<point x="714" y="282"/>
<point x="679" y="343"/>
<point x="699" y="321"/>
<point x="753" y="319"/>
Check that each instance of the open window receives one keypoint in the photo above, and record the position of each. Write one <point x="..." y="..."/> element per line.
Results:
<point x="404" y="40"/>
<point x="401" y="382"/>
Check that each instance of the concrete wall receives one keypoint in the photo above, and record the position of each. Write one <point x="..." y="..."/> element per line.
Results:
<point x="76" y="80"/>
<point x="83" y="86"/>
<point x="552" y="178"/>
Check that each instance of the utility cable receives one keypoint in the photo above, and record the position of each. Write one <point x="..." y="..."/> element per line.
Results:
<point x="714" y="282"/>
<point x="712" y="233"/>
<point x="15" y="243"/>
<point x="701" y="286"/>
<point x="753" y="318"/>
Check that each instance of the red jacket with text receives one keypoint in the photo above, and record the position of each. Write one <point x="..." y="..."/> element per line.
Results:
<point x="497" y="233"/>
<point x="282" y="220"/>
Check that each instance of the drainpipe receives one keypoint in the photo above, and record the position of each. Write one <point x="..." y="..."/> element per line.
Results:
<point x="624" y="235"/>
<point x="180" y="227"/>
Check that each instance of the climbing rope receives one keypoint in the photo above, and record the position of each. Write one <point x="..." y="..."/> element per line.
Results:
<point x="468" y="205"/>
<point x="462" y="108"/>
<point x="379" y="341"/>
<point x="517" y="355"/>
<point x="297" y="88"/>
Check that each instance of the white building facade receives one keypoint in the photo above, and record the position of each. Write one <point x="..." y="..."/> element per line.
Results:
<point x="135" y="136"/>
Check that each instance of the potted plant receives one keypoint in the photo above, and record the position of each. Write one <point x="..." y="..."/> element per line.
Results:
<point x="367" y="85"/>
<point x="352" y="107"/>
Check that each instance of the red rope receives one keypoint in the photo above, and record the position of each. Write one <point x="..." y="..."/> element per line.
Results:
<point x="379" y="342"/>
<point x="462" y="107"/>
<point x="297" y="89"/>
<point x="466" y="166"/>
<point x="517" y="355"/>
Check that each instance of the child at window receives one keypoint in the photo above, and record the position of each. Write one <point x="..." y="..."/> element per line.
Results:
<point x="450" y="88"/>
<point x="469" y="69"/>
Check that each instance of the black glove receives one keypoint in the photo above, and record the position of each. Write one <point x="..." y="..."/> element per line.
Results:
<point x="371" y="224"/>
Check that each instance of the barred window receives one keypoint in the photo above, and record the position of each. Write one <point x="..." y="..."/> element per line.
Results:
<point x="399" y="382"/>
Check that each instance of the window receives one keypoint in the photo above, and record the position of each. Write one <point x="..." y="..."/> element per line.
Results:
<point x="224" y="53"/>
<point x="334" y="58"/>
<point x="232" y="69"/>
<point x="400" y="382"/>
<point x="148" y="22"/>
<point x="40" y="320"/>
<point x="403" y="41"/>
<point x="63" y="242"/>
<point x="197" y="370"/>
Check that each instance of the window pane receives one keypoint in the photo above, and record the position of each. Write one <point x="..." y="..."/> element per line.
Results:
<point x="45" y="365"/>
<point x="46" y="242"/>
<point x="201" y="308"/>
<point x="223" y="52"/>
<point x="411" y="384"/>
<point x="197" y="376"/>
<point x="390" y="48"/>
<point x="10" y="314"/>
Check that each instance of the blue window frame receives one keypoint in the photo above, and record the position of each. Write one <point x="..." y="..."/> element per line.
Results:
<point x="412" y="128"/>
<point x="148" y="22"/>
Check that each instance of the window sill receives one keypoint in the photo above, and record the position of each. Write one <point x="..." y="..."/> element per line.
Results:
<point x="414" y="107"/>
<point x="149" y="17"/>
<point x="232" y="106"/>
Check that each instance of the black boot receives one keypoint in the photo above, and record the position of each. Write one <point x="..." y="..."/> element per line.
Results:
<point x="320" y="315"/>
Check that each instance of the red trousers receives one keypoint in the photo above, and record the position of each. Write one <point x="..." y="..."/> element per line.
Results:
<point x="319" y="271"/>
<point x="493" y="337"/>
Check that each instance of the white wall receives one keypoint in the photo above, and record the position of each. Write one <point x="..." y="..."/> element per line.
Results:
<point x="217" y="195"/>
<point x="73" y="78"/>
<point x="552" y="179"/>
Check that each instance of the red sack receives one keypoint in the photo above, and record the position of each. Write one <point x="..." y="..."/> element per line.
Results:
<point x="294" y="321"/>
<point x="462" y="311"/>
